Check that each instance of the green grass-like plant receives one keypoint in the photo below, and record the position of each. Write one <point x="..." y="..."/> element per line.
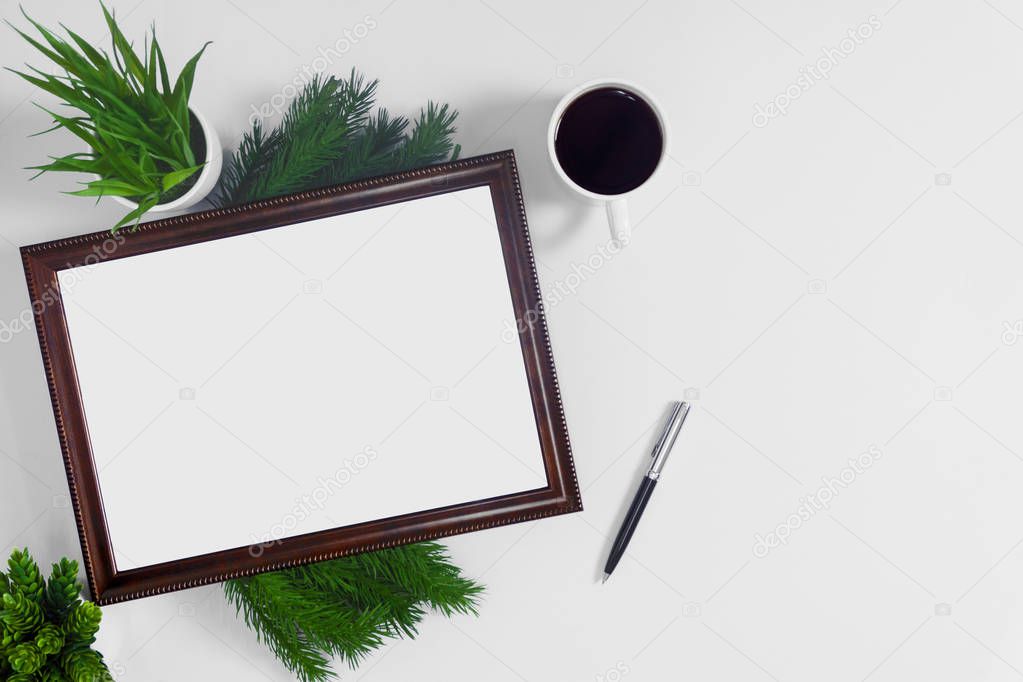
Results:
<point x="135" y="122"/>
<point x="46" y="629"/>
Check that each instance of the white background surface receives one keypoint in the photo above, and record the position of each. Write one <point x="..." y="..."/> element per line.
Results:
<point x="281" y="405"/>
<point x="817" y="282"/>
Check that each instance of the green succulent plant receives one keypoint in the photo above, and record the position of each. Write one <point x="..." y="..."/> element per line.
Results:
<point x="46" y="629"/>
<point x="135" y="122"/>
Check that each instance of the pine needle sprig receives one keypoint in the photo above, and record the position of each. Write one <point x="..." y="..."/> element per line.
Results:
<point x="430" y="141"/>
<point x="272" y="610"/>
<point x="369" y="154"/>
<point x="328" y="137"/>
<point x="246" y="166"/>
<point x="348" y="607"/>
<point x="320" y="123"/>
<point x="315" y="131"/>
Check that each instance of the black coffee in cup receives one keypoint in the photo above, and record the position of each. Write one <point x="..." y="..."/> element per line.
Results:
<point x="609" y="141"/>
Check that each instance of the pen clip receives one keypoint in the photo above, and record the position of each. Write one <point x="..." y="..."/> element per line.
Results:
<point x="666" y="431"/>
<point x="667" y="439"/>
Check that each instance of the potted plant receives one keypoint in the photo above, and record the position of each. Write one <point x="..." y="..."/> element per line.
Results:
<point x="147" y="148"/>
<point x="46" y="629"/>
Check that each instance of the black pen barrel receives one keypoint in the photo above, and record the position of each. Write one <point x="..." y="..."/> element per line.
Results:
<point x="646" y="488"/>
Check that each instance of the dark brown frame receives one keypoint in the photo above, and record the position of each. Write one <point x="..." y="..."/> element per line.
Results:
<point x="108" y="585"/>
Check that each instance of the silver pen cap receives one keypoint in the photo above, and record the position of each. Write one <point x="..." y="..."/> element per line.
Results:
<point x="666" y="442"/>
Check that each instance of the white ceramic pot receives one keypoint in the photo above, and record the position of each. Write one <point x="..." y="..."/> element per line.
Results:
<point x="208" y="176"/>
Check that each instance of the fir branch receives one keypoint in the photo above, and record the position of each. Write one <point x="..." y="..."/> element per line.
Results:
<point x="348" y="607"/>
<point x="315" y="131"/>
<point x="244" y="168"/>
<point x="369" y="154"/>
<point x="328" y="137"/>
<point x="430" y="141"/>
<point x="270" y="609"/>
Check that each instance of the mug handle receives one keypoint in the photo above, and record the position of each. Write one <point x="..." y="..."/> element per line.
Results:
<point x="618" y="220"/>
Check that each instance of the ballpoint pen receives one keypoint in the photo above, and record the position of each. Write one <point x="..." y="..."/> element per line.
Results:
<point x="660" y="455"/>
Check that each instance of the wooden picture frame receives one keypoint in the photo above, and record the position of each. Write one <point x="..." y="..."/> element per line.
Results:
<point x="43" y="262"/>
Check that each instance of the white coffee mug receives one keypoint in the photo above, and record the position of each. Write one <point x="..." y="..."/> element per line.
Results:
<point x="615" y="204"/>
